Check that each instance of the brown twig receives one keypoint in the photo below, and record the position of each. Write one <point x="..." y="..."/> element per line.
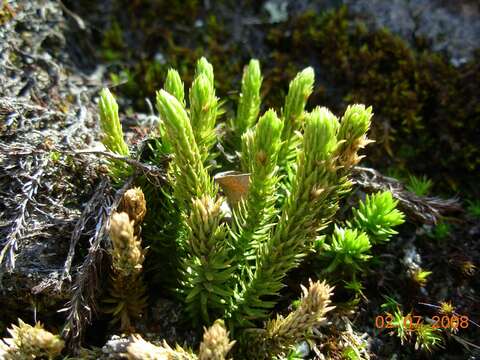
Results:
<point x="83" y="303"/>
<point x="88" y="213"/>
<point x="145" y="169"/>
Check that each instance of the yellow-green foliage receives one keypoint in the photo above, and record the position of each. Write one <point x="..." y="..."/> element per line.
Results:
<point x="349" y="248"/>
<point x="215" y="346"/>
<point x="377" y="216"/>
<point x="127" y="291"/>
<point x="112" y="133"/>
<point x="284" y="332"/>
<point x="110" y="124"/>
<point x="30" y="342"/>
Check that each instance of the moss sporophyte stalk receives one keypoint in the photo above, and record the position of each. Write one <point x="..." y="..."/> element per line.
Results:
<point x="227" y="252"/>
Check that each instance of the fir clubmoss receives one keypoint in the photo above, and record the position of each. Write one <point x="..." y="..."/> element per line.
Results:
<point x="207" y="268"/>
<point x="234" y="268"/>
<point x="174" y="85"/>
<point x="195" y="181"/>
<point x="127" y="291"/>
<point x="203" y="112"/>
<point x="249" y="101"/>
<point x="306" y="211"/>
<point x="134" y="204"/>
<point x="110" y="124"/>
<point x="112" y="134"/>
<point x="30" y="342"/>
<point x="352" y="133"/>
<point x="284" y="332"/>
<point x="260" y="148"/>
<point x="377" y="216"/>
<point x="298" y="93"/>
<point x="232" y="273"/>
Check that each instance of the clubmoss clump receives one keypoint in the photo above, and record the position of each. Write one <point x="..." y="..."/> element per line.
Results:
<point x="298" y="166"/>
<point x="235" y="237"/>
<point x="232" y="274"/>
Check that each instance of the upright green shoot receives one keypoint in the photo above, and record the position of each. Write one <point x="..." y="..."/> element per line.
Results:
<point x="112" y="134"/>
<point x="249" y="102"/>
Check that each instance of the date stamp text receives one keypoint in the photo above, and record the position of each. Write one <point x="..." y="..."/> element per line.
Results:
<point x="412" y="321"/>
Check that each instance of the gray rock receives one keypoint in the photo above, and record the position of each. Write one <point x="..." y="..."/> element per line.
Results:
<point x="452" y="27"/>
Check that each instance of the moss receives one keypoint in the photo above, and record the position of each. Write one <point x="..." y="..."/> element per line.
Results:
<point x="113" y="45"/>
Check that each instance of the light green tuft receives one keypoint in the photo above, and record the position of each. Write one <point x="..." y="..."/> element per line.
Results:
<point x="195" y="181"/>
<point x="260" y="148"/>
<point x="112" y="135"/>
<point x="348" y="248"/>
<point x="249" y="102"/>
<point x="203" y="113"/>
<point x="205" y="68"/>
<point x="110" y="124"/>
<point x="299" y="91"/>
<point x="355" y="122"/>
<point x="174" y="85"/>
<point x="377" y="216"/>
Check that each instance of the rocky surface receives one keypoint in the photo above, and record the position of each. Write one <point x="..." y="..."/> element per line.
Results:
<point x="452" y="27"/>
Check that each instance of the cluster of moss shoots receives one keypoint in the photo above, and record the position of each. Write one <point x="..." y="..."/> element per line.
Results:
<point x="238" y="234"/>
